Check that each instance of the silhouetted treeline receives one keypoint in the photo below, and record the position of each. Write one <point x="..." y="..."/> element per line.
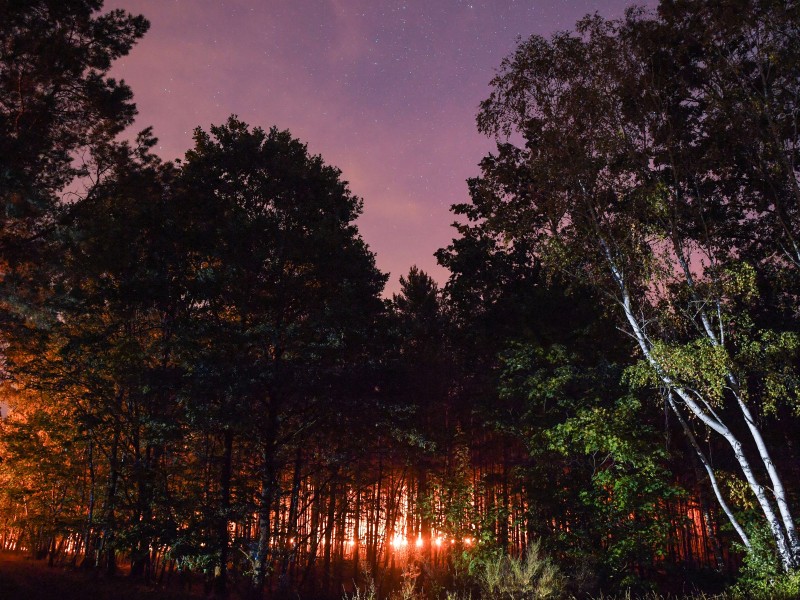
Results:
<point x="204" y="380"/>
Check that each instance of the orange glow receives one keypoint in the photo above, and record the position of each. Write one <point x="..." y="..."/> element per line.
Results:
<point x="420" y="543"/>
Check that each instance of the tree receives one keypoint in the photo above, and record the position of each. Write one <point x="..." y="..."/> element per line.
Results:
<point x="598" y="447"/>
<point x="107" y="359"/>
<point x="59" y="115"/>
<point x="281" y="274"/>
<point x="58" y="112"/>
<point x="419" y="390"/>
<point x="543" y="367"/>
<point x="610" y="189"/>
<point x="42" y="474"/>
<point x="56" y="102"/>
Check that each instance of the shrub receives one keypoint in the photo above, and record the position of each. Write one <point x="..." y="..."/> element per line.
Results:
<point x="760" y="576"/>
<point x="532" y="577"/>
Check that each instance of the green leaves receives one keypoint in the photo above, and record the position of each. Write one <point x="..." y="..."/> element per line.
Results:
<point x="769" y="358"/>
<point x="739" y="281"/>
<point x="698" y="364"/>
<point x="773" y="358"/>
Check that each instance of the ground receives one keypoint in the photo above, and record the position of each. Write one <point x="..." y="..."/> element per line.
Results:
<point x="22" y="578"/>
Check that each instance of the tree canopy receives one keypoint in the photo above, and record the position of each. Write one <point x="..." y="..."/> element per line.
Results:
<point x="207" y="384"/>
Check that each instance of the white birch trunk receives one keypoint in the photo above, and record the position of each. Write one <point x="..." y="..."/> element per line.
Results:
<point x="775" y="479"/>
<point x="788" y="557"/>
<point x="710" y="472"/>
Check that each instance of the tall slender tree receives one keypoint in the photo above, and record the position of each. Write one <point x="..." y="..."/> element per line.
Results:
<point x="281" y="272"/>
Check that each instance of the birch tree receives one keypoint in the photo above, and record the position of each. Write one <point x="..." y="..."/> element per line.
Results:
<point x="624" y="180"/>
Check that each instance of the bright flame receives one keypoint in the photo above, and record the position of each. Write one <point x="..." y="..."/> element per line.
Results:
<point x="467" y="541"/>
<point x="420" y="543"/>
<point x="438" y="541"/>
<point x="398" y="541"/>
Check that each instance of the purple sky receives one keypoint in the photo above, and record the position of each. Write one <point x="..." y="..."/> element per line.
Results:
<point x="385" y="90"/>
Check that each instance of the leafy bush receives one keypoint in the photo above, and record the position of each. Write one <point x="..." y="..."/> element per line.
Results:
<point x="761" y="576"/>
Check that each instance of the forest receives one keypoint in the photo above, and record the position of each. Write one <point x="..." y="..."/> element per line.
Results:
<point x="203" y="382"/>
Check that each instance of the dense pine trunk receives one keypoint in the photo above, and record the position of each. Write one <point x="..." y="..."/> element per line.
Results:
<point x="221" y="571"/>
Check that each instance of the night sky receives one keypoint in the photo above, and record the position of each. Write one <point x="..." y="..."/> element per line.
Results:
<point x="385" y="90"/>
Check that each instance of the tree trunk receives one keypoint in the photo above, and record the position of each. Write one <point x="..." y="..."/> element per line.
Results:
<point x="326" y="561"/>
<point x="87" y="535"/>
<point x="291" y="528"/>
<point x="220" y="584"/>
<point x="712" y="478"/>
<point x="787" y="557"/>
<point x="109" y="520"/>
<point x="266" y="497"/>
